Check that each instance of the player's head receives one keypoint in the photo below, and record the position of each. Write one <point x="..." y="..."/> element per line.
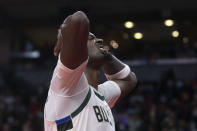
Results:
<point x="95" y="46"/>
<point x="96" y="51"/>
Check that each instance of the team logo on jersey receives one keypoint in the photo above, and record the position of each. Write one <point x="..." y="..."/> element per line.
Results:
<point x="102" y="114"/>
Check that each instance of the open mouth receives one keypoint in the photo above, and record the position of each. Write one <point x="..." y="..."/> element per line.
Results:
<point x="101" y="46"/>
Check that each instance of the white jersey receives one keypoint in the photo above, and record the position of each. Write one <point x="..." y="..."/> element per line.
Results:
<point x="73" y="105"/>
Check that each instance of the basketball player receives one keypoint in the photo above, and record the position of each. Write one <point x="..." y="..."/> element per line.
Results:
<point x="75" y="100"/>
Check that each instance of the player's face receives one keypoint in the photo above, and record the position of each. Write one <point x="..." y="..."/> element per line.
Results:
<point x="95" y="49"/>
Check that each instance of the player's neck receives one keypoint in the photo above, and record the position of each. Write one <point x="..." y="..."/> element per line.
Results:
<point x="92" y="75"/>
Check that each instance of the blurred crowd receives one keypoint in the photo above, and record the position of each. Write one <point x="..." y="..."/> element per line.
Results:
<point x="21" y="103"/>
<point x="165" y="105"/>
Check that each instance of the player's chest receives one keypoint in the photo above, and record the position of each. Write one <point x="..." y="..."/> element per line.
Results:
<point x="97" y="117"/>
<point x="100" y="111"/>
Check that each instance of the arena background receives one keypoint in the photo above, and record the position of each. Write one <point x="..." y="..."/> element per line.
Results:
<point x="163" y="54"/>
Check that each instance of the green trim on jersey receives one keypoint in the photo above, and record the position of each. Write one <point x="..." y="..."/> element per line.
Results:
<point x="81" y="107"/>
<point x="66" y="122"/>
<point x="99" y="96"/>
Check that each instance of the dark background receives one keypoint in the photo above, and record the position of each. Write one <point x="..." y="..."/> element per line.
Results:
<point x="166" y="67"/>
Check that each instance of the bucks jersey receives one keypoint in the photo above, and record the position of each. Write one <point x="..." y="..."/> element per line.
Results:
<point x="73" y="105"/>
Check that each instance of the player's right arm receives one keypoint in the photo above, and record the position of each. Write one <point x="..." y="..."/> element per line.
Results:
<point x="72" y="40"/>
<point x="72" y="50"/>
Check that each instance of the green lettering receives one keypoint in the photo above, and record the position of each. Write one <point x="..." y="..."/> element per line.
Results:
<point x="104" y="114"/>
<point x="98" y="113"/>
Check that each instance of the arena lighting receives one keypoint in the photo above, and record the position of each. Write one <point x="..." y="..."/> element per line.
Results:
<point x="138" y="35"/>
<point x="31" y="54"/>
<point x="175" y="33"/>
<point x="129" y="24"/>
<point x="169" y="22"/>
<point x="114" y="44"/>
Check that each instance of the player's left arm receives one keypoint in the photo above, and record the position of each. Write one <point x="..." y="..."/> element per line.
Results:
<point x="120" y="73"/>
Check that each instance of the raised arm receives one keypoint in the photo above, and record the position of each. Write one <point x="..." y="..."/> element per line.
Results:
<point x="112" y="66"/>
<point x="72" y="40"/>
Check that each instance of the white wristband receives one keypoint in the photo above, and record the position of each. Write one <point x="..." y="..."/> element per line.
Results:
<point x="119" y="75"/>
